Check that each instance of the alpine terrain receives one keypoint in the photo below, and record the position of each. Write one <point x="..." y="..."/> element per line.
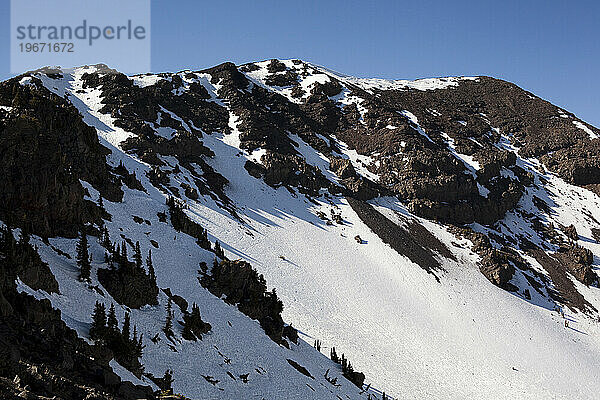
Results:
<point x="277" y="230"/>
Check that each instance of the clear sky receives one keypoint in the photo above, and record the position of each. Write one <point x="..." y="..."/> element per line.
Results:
<point x="549" y="47"/>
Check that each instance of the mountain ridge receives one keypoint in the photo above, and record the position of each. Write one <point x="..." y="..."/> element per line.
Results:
<point x="319" y="181"/>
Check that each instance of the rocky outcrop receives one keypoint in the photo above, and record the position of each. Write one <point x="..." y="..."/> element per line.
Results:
<point x="30" y="268"/>
<point x="498" y="267"/>
<point x="45" y="149"/>
<point x="578" y="261"/>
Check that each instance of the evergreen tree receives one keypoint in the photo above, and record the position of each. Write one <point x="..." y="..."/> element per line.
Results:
<point x="168" y="328"/>
<point x="187" y="333"/>
<point x="167" y="380"/>
<point x="117" y="253"/>
<point x="83" y="258"/>
<point x="106" y="243"/>
<point x="219" y="250"/>
<point x="137" y="256"/>
<point x="195" y="312"/>
<point x="112" y="319"/>
<point x="100" y="202"/>
<point x="150" y="266"/>
<point x="126" y="327"/>
<point x="139" y="348"/>
<point x="334" y="357"/>
<point x="24" y="239"/>
<point x="98" y="327"/>
<point x="124" y="252"/>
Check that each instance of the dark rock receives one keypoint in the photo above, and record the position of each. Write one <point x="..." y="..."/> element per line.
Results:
<point x="41" y="165"/>
<point x="499" y="268"/>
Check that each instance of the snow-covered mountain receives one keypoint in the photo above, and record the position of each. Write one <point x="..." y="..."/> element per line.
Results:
<point x="442" y="234"/>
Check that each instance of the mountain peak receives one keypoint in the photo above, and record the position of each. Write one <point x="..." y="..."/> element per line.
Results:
<point x="280" y="229"/>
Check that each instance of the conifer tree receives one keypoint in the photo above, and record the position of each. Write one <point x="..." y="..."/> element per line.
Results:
<point x="137" y="256"/>
<point x="168" y="328"/>
<point x="25" y="237"/>
<point x="117" y="252"/>
<point x="167" y="380"/>
<point x="195" y="312"/>
<point x="150" y="266"/>
<point x="334" y="357"/>
<point x="98" y="321"/>
<point x="139" y="348"/>
<point x="106" y="243"/>
<point x="112" y="319"/>
<point x="219" y="250"/>
<point x="124" y="252"/>
<point x="126" y="327"/>
<point x="187" y="333"/>
<point x="83" y="258"/>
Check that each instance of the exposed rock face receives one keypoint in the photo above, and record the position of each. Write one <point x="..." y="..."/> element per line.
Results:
<point x="578" y="261"/>
<point x="449" y="155"/>
<point x="498" y="267"/>
<point x="29" y="267"/>
<point x="45" y="148"/>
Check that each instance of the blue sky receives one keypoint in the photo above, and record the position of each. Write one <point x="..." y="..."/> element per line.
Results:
<point x="550" y="47"/>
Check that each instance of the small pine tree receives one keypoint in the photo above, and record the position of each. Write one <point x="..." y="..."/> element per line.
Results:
<point x="98" y="321"/>
<point x="126" y="327"/>
<point x="139" y="348"/>
<point x="137" y="256"/>
<point x="117" y="251"/>
<point x="187" y="333"/>
<point x="195" y="312"/>
<point x="334" y="357"/>
<point x="83" y="258"/>
<point x="168" y="328"/>
<point x="150" y="266"/>
<point x="124" y="251"/>
<point x="112" y="319"/>
<point x="219" y="250"/>
<point x="167" y="380"/>
<point x="106" y="243"/>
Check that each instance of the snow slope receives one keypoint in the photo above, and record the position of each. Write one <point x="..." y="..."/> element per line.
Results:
<point x="412" y="336"/>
